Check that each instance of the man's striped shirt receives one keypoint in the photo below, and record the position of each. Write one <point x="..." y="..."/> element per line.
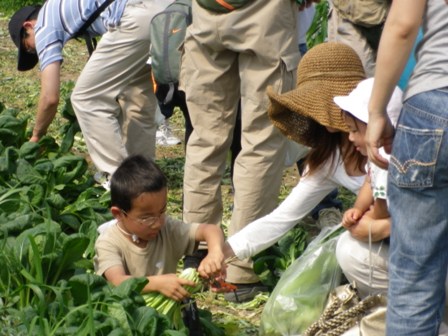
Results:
<point x="60" y="20"/>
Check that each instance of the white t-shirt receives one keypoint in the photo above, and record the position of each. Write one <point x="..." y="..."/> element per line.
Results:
<point x="265" y="231"/>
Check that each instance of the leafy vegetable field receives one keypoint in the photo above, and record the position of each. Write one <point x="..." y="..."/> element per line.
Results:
<point x="50" y="207"/>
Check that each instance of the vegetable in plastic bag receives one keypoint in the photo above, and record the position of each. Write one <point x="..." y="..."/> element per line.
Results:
<point x="300" y="295"/>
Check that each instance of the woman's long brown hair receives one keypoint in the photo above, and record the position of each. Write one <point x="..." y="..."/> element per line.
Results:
<point x="326" y="145"/>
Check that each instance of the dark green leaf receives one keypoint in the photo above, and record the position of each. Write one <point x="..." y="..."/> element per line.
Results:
<point x="81" y="286"/>
<point x="29" y="150"/>
<point x="56" y="201"/>
<point x="27" y="174"/>
<point x="129" y="287"/>
<point x="8" y="160"/>
<point x="69" y="136"/>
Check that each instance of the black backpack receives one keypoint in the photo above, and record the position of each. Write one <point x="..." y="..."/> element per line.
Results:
<point x="167" y="34"/>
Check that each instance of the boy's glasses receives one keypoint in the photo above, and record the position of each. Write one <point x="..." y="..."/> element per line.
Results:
<point x="147" y="221"/>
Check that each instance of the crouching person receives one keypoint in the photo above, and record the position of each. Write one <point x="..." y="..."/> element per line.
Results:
<point x="143" y="241"/>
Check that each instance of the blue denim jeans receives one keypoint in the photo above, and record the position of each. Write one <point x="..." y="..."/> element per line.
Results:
<point x="418" y="195"/>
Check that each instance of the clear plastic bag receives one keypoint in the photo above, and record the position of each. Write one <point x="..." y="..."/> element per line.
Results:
<point x="300" y="295"/>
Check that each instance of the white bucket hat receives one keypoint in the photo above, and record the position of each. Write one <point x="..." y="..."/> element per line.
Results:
<point x="357" y="102"/>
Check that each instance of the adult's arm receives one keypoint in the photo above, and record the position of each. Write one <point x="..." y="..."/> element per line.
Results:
<point x="48" y="100"/>
<point x="397" y="40"/>
<point x="265" y="231"/>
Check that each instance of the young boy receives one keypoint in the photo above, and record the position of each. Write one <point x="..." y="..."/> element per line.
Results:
<point x="142" y="241"/>
<point x="372" y="197"/>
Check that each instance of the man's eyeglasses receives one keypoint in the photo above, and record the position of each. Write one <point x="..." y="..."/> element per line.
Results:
<point x="147" y="221"/>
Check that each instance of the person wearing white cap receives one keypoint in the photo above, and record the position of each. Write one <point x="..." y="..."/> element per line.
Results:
<point x="356" y="117"/>
<point x="371" y="203"/>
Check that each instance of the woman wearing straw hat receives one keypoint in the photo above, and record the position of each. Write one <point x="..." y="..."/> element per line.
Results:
<point x="309" y="116"/>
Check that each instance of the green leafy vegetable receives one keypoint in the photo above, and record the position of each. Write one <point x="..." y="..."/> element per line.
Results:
<point x="170" y="307"/>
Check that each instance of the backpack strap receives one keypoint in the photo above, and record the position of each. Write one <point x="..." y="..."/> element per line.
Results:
<point x="190" y="9"/>
<point x="82" y="32"/>
<point x="170" y="94"/>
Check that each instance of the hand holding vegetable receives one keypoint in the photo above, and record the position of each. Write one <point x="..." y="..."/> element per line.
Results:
<point x="212" y="265"/>
<point x="171" y="286"/>
<point x="214" y="261"/>
<point x="34" y="138"/>
<point x="166" y="305"/>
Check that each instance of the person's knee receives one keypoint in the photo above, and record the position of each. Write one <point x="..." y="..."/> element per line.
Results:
<point x="344" y="256"/>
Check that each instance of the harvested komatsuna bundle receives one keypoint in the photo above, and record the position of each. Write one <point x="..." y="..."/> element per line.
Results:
<point x="172" y="308"/>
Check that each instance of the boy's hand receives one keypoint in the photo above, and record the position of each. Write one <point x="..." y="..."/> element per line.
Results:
<point x="351" y="217"/>
<point x="171" y="286"/>
<point x="212" y="265"/>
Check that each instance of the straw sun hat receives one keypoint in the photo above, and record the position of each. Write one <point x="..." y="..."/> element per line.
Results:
<point x="327" y="70"/>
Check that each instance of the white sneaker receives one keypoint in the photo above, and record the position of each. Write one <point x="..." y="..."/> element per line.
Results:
<point x="165" y="137"/>
<point x="103" y="179"/>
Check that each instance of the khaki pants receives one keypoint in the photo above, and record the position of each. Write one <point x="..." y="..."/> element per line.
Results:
<point x="228" y="57"/>
<point x="113" y="98"/>
<point x="341" y="30"/>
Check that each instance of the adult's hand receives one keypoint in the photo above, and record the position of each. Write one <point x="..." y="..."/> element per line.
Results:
<point x="34" y="138"/>
<point x="380" y="133"/>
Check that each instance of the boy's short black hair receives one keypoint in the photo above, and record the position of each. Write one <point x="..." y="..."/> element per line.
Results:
<point x="134" y="176"/>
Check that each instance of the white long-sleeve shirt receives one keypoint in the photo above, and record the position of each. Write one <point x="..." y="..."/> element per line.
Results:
<point x="265" y="231"/>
